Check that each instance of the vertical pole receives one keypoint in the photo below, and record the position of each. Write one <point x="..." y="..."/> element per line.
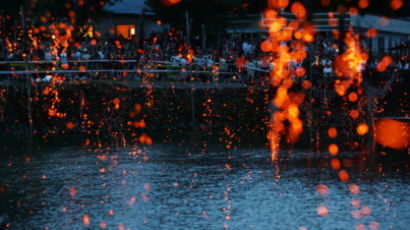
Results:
<point x="188" y="35"/>
<point x="30" y="118"/>
<point x="193" y="114"/>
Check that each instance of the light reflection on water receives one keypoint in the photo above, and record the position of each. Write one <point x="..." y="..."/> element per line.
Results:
<point x="194" y="191"/>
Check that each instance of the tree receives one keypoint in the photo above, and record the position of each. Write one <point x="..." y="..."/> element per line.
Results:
<point x="77" y="12"/>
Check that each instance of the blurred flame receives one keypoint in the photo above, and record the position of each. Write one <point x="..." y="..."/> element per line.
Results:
<point x="393" y="134"/>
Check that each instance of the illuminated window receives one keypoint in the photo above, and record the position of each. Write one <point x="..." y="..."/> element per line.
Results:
<point x="125" y="31"/>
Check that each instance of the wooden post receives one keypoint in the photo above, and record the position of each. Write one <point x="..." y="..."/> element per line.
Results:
<point x="30" y="118"/>
<point x="193" y="113"/>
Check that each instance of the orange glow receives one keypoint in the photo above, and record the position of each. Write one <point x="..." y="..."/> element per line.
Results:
<point x="396" y="4"/>
<point x="353" y="97"/>
<point x="371" y="33"/>
<point x="332" y="132"/>
<point x="300" y="71"/>
<point x="335" y="163"/>
<point x="333" y="22"/>
<point x="393" y="134"/>
<point x="86" y="220"/>
<point x="277" y="4"/>
<point x="354" y="189"/>
<point x="333" y="149"/>
<point x="298" y="10"/>
<point x="322" y="189"/>
<point x="70" y="125"/>
<point x="343" y="175"/>
<point x="325" y="3"/>
<point x="354" y="114"/>
<point x="363" y="4"/>
<point x="170" y="2"/>
<point x="103" y="225"/>
<point x="322" y="211"/>
<point x="73" y="191"/>
<point x="362" y="129"/>
<point x="385" y="62"/>
<point x="353" y="11"/>
<point x="116" y="103"/>
<point x="384" y="21"/>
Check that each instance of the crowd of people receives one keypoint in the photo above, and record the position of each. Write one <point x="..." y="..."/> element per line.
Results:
<point x="169" y="47"/>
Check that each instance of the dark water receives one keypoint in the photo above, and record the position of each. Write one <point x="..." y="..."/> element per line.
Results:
<point x="173" y="189"/>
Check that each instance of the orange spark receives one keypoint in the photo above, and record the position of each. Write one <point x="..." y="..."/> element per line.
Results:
<point x="322" y="211"/>
<point x="333" y="149"/>
<point x="86" y="220"/>
<point x="332" y="132"/>
<point x="362" y="129"/>
<point x="396" y="4"/>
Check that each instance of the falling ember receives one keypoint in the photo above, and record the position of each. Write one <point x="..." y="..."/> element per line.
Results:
<point x="86" y="220"/>
<point x="322" y="211"/>
<point x="343" y="175"/>
<point x="70" y="125"/>
<point x="170" y="2"/>
<point x="393" y="134"/>
<point x="335" y="163"/>
<point x="116" y="103"/>
<point x="354" y="189"/>
<point x="362" y="129"/>
<point x="322" y="189"/>
<point x="333" y="149"/>
<point x="396" y="4"/>
<point x="332" y="132"/>
<point x="73" y="192"/>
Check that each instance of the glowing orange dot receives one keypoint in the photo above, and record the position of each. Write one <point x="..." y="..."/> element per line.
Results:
<point x="335" y="163"/>
<point x="325" y="3"/>
<point x="279" y="3"/>
<point x="110" y="212"/>
<point x="353" y="97"/>
<point x="322" y="211"/>
<point x="266" y="46"/>
<point x="362" y="129"/>
<point x="103" y="225"/>
<point x="353" y="11"/>
<point x="300" y="71"/>
<point x="396" y="4"/>
<point x="73" y="191"/>
<point x="170" y="2"/>
<point x="70" y="125"/>
<point x="298" y="35"/>
<point x="354" y="189"/>
<point x="322" y="189"/>
<point x="354" y="114"/>
<point x="371" y="33"/>
<point x="298" y="10"/>
<point x="332" y="132"/>
<point x="393" y="134"/>
<point x="86" y="220"/>
<point x="384" y="21"/>
<point x="363" y="4"/>
<point x="333" y="149"/>
<point x="306" y="84"/>
<point x="366" y="210"/>
<point x="343" y="175"/>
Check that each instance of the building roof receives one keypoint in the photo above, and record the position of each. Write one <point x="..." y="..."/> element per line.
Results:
<point x="129" y="7"/>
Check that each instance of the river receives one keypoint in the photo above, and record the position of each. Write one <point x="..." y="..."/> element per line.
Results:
<point x="166" y="187"/>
